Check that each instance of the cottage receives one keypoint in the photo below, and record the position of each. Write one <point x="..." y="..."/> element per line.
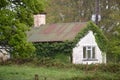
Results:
<point x="89" y="48"/>
<point x="87" y="51"/>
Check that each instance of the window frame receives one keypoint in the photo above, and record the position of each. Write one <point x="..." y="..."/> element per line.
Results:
<point x="89" y="53"/>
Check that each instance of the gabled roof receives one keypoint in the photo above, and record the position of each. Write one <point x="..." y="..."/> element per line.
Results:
<point x="101" y="40"/>
<point x="55" y="32"/>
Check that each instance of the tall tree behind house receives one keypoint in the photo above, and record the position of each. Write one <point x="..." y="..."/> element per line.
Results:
<point x="81" y="11"/>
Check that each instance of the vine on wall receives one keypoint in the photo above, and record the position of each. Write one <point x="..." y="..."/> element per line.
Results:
<point x="51" y="49"/>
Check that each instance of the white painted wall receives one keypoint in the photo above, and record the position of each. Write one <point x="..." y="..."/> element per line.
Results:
<point x="88" y="40"/>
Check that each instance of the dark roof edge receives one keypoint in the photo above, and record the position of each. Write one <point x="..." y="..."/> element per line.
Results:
<point x="46" y="41"/>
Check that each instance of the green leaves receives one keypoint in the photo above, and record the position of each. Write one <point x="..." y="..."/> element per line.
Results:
<point x="7" y="17"/>
<point x="114" y="47"/>
<point x="100" y="37"/>
<point x="3" y="3"/>
<point x="37" y="6"/>
<point x="51" y="49"/>
<point x="16" y="16"/>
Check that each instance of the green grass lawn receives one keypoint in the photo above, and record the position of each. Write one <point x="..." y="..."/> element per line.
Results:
<point x="15" y="72"/>
<point x="27" y="72"/>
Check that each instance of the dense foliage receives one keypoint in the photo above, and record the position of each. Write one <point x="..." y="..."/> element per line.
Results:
<point x="16" y="17"/>
<point x="52" y="49"/>
<point x="114" y="46"/>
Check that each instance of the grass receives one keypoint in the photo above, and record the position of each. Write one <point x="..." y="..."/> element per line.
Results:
<point x="27" y="72"/>
<point x="15" y="72"/>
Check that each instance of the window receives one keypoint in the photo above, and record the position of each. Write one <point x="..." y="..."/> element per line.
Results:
<point x="89" y="52"/>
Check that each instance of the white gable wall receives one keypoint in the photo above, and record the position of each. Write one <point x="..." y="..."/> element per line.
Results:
<point x="88" y="40"/>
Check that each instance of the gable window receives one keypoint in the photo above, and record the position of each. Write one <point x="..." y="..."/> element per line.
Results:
<point x="89" y="53"/>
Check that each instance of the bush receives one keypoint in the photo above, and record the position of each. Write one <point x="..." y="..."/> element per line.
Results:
<point x="110" y="67"/>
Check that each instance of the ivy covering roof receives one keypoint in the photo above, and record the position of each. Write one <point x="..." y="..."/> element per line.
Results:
<point x="99" y="36"/>
<point x="55" y="32"/>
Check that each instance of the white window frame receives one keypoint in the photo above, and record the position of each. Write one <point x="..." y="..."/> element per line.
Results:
<point x="92" y="55"/>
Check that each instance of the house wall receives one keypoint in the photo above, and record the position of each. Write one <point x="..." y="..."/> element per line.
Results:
<point x="88" y="40"/>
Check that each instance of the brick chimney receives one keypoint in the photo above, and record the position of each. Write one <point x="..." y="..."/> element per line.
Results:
<point x="39" y="19"/>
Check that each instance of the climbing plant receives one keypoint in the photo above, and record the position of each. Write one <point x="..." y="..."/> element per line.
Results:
<point x="99" y="36"/>
<point x="51" y="49"/>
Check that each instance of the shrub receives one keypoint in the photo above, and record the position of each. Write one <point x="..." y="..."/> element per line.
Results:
<point x="110" y="67"/>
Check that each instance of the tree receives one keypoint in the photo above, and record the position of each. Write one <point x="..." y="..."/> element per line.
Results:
<point x="114" y="45"/>
<point x="16" y="19"/>
<point x="69" y="10"/>
<point x="82" y="10"/>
